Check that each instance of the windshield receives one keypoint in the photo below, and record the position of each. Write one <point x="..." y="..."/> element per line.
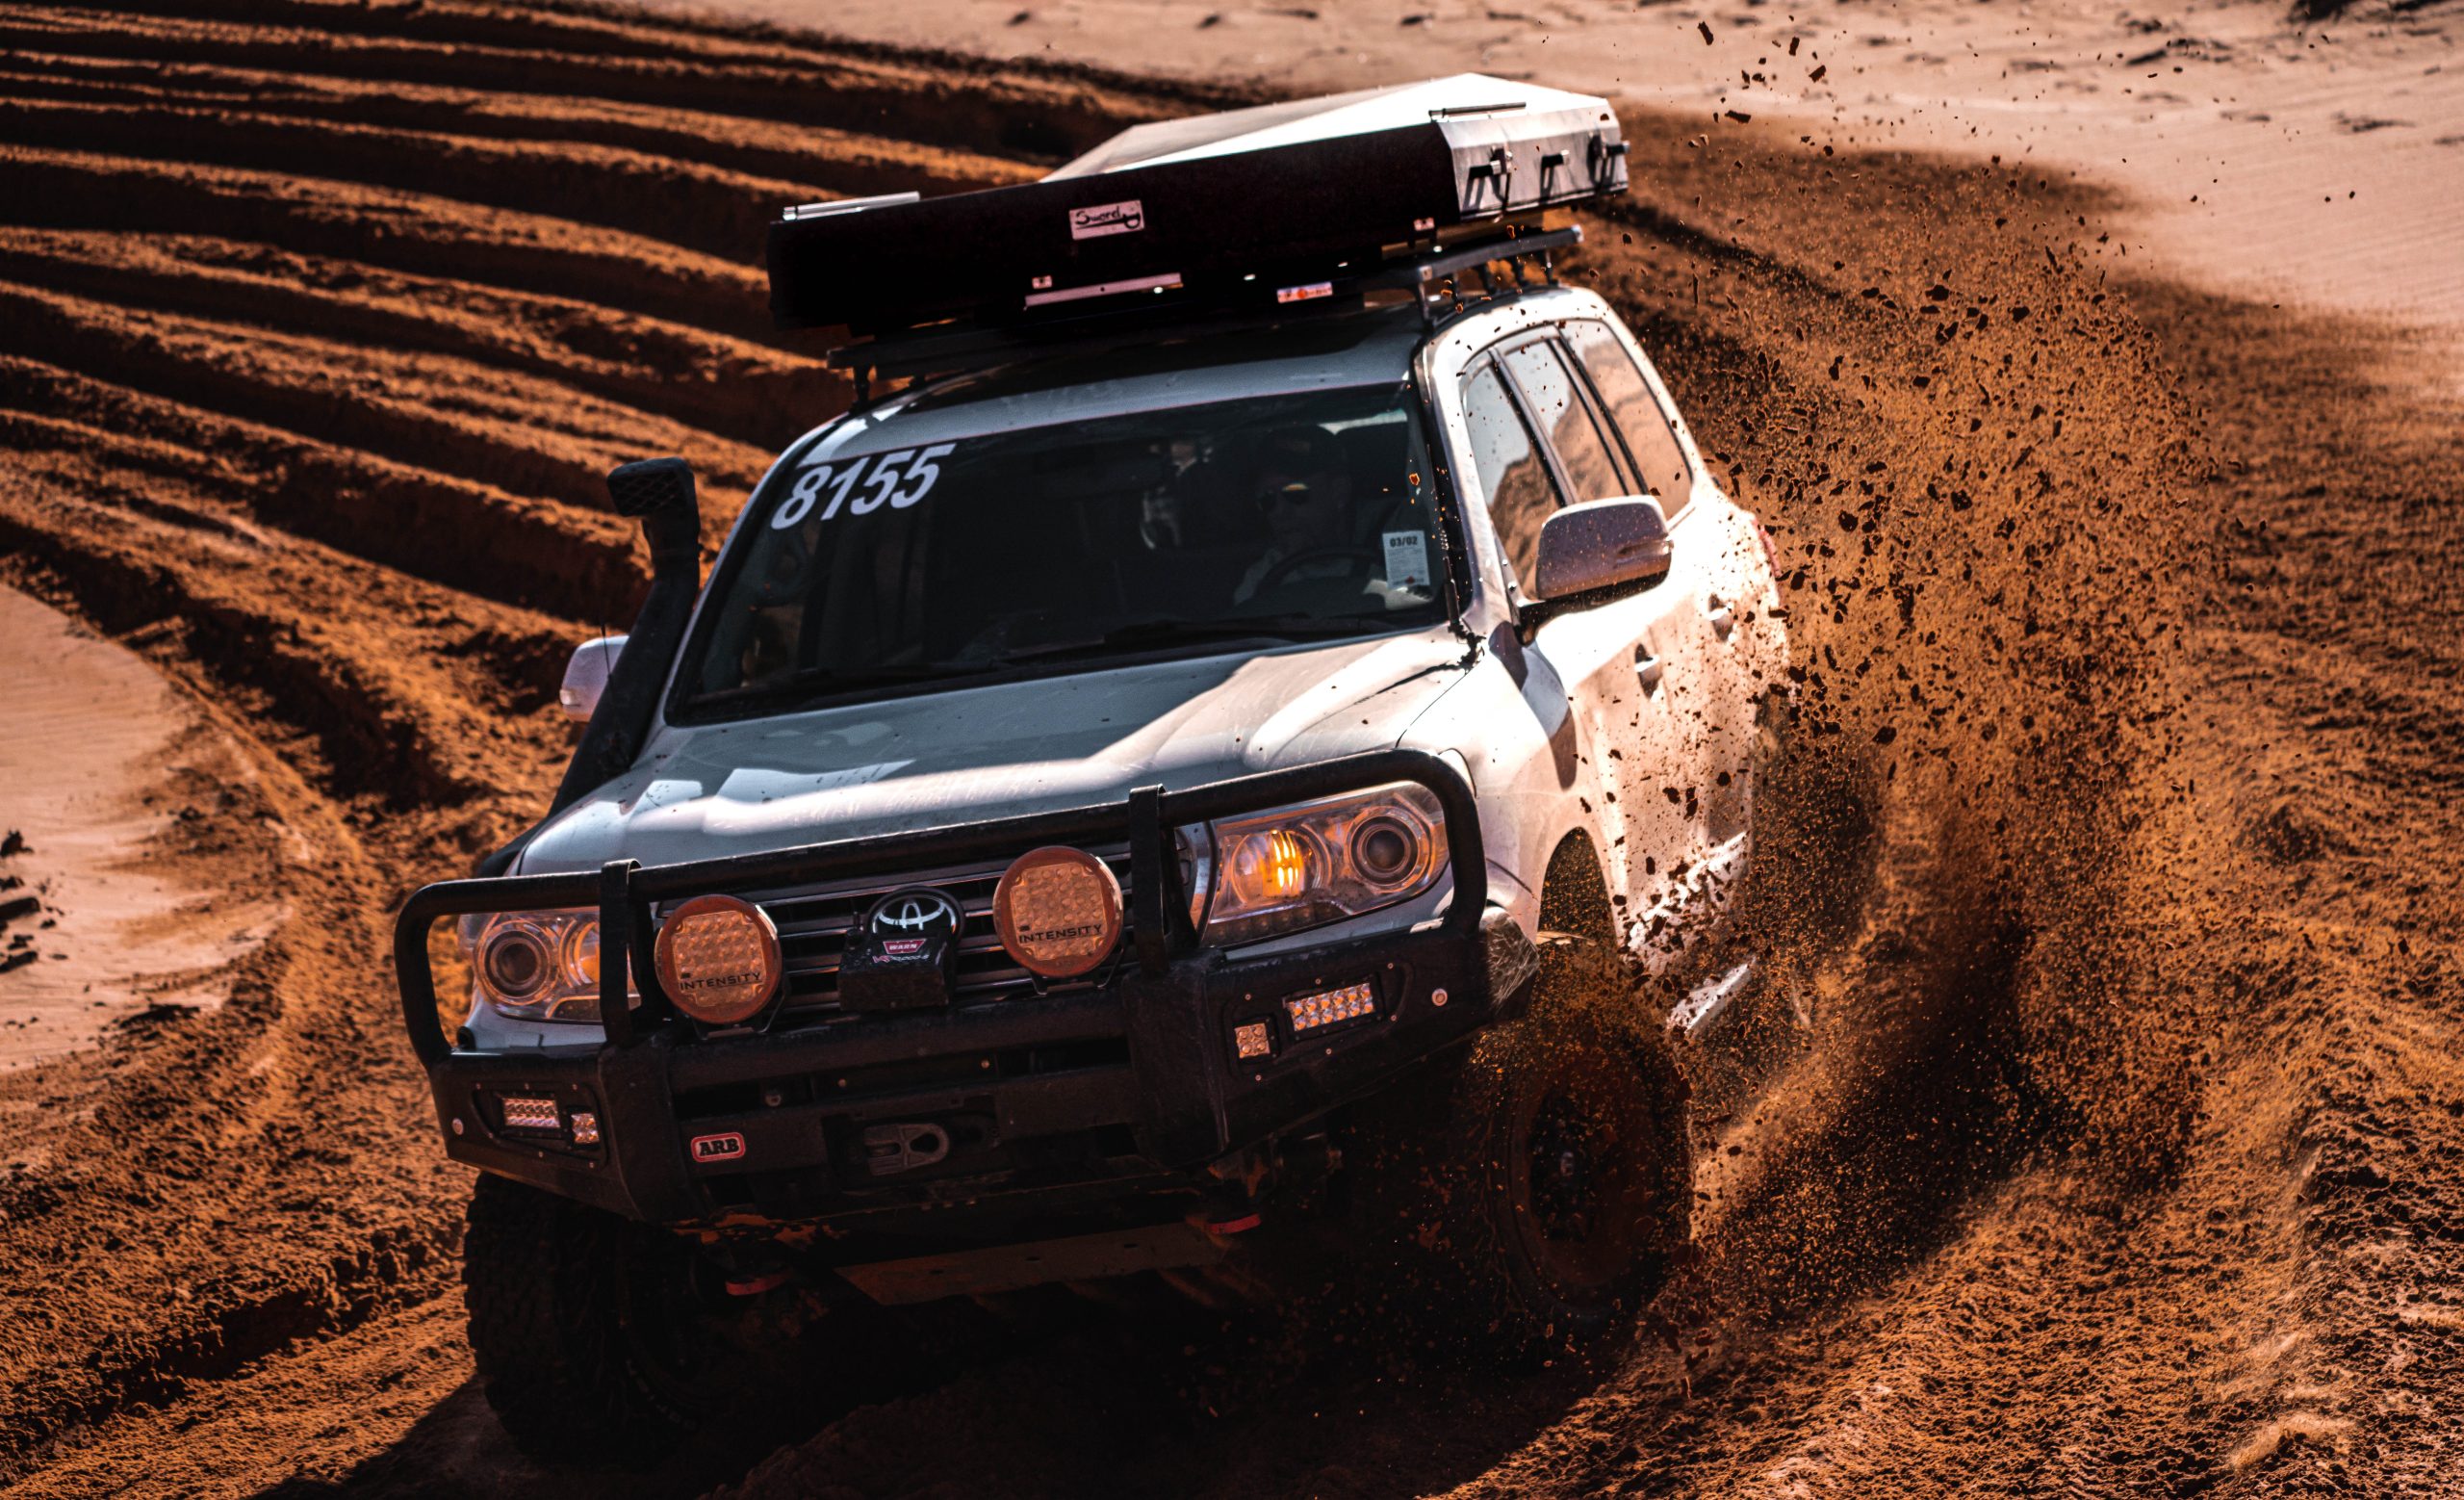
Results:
<point x="1274" y="518"/>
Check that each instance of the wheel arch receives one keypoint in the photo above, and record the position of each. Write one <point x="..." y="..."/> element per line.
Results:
<point x="1573" y="892"/>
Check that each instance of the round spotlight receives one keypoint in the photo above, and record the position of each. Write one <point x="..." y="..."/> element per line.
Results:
<point x="1058" y="910"/>
<point x="718" y="958"/>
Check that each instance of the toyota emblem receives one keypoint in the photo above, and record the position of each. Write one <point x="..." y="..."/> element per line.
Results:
<point x="918" y="913"/>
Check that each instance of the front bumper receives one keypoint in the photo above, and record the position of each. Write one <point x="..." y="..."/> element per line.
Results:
<point x="1074" y="1097"/>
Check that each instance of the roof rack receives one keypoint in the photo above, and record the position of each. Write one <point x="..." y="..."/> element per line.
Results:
<point x="1283" y="210"/>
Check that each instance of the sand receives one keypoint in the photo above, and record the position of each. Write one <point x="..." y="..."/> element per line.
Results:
<point x="2126" y="1163"/>
<point x="87" y="754"/>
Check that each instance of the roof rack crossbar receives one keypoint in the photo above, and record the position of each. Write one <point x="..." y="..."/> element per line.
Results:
<point x="1483" y="253"/>
<point x="1425" y="275"/>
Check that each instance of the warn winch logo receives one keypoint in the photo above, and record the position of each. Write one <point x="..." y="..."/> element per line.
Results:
<point x="718" y="1147"/>
<point x="1127" y="217"/>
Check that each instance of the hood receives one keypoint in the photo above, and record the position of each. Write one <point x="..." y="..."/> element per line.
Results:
<point x="972" y="755"/>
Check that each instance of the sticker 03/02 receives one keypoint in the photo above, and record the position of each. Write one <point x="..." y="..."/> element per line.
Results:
<point x="898" y="479"/>
<point x="1407" y="558"/>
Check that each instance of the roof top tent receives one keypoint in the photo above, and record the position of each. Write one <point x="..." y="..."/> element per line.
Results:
<point x="1259" y="208"/>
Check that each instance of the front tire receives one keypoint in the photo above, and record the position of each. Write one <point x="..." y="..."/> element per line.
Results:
<point x="593" y="1338"/>
<point x="1524" y="1195"/>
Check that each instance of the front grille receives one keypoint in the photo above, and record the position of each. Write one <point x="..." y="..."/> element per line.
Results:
<point x="814" y="921"/>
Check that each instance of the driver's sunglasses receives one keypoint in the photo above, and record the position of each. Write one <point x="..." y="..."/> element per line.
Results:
<point x="1296" y="497"/>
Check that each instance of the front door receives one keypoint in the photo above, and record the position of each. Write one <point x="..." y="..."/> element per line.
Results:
<point x="1630" y="663"/>
<point x="1710" y="576"/>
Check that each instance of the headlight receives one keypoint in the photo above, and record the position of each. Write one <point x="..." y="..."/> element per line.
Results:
<point x="535" y="966"/>
<point x="1320" y="862"/>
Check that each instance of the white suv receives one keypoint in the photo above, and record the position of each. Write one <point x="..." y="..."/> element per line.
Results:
<point x="1106" y="808"/>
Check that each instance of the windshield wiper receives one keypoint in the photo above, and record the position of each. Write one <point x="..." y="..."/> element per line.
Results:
<point x="1173" y="633"/>
<point x="819" y="680"/>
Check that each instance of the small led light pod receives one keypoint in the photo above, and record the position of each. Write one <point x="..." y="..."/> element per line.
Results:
<point x="718" y="958"/>
<point x="1058" y="910"/>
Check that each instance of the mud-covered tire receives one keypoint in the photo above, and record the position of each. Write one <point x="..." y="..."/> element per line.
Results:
<point x="1525" y="1195"/>
<point x="575" y="1319"/>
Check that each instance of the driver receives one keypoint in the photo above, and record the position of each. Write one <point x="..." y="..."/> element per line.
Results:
<point x="1304" y="489"/>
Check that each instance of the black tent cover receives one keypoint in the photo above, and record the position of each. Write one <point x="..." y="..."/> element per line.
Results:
<point x="1283" y="202"/>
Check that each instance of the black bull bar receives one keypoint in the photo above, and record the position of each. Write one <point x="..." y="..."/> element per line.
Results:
<point x="1185" y="1097"/>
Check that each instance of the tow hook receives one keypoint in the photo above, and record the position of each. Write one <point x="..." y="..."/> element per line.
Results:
<point x="890" y="1149"/>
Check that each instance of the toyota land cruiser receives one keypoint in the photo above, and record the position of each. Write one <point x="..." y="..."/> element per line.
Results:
<point x="1117" y="796"/>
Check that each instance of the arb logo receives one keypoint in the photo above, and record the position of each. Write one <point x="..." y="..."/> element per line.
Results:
<point x="718" y="1147"/>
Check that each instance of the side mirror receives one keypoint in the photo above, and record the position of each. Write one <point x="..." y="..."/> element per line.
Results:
<point x="586" y="675"/>
<point x="1602" y="544"/>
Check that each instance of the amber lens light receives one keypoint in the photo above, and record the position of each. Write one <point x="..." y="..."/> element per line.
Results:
<point x="1058" y="910"/>
<point x="1272" y="866"/>
<point x="718" y="959"/>
<point x="1285" y="867"/>
<point x="581" y="954"/>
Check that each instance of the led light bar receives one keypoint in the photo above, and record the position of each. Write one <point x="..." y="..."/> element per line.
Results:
<point x="1310" y="1012"/>
<point x="530" y="1114"/>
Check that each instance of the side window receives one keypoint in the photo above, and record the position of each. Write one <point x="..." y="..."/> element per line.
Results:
<point x="1521" y="494"/>
<point x="1656" y="456"/>
<point x="1566" y="417"/>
